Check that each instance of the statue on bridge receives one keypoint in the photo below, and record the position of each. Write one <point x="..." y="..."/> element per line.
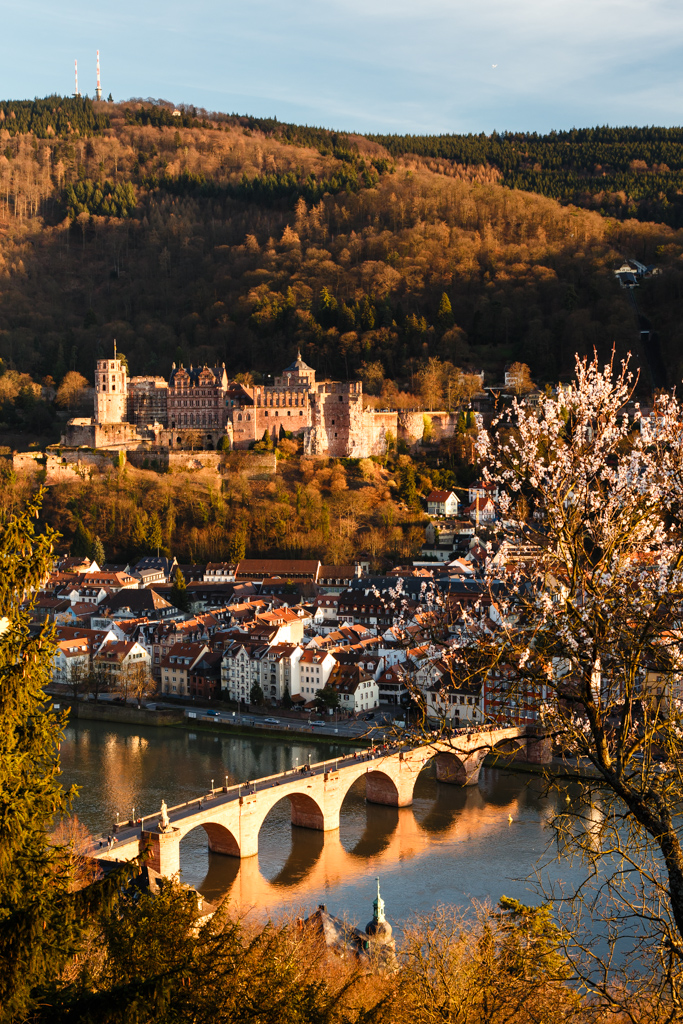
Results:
<point x="164" y="820"/>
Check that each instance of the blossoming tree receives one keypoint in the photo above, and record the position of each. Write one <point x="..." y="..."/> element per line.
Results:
<point x="593" y="623"/>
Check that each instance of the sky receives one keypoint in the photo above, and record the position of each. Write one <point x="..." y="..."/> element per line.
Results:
<point x="406" y="66"/>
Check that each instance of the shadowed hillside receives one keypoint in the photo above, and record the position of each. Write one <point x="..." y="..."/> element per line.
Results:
<point x="206" y="238"/>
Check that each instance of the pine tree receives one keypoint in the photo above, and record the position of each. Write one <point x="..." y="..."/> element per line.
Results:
<point x="138" y="539"/>
<point x="445" y="315"/>
<point x="237" y="547"/>
<point x="97" y="552"/>
<point x="41" y="921"/>
<point x="154" y="537"/>
<point x="81" y="545"/>
<point x="179" y="595"/>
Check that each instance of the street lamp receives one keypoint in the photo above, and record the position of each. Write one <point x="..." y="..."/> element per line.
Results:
<point x="133" y="815"/>
<point x="226" y="783"/>
<point x="211" y="787"/>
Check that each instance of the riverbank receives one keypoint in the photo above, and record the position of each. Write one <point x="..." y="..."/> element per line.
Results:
<point x="176" y="718"/>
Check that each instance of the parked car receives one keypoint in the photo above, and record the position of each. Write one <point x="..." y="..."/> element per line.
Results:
<point x="317" y="723"/>
<point x="213" y="714"/>
<point x="369" y="718"/>
<point x="272" y="721"/>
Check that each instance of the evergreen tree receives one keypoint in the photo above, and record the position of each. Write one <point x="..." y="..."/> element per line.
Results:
<point x="97" y="552"/>
<point x="287" y="701"/>
<point x="138" y="538"/>
<point x="179" y="595"/>
<point x="81" y="545"/>
<point x="237" y="547"/>
<point x="256" y="694"/>
<point x="445" y="315"/>
<point x="154" y="537"/>
<point x="41" y="921"/>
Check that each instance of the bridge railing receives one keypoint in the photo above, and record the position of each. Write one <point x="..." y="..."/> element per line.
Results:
<point x="314" y="767"/>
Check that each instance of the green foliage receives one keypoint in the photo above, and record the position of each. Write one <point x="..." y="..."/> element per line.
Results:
<point x="408" y="489"/>
<point x="97" y="552"/>
<point x="41" y="920"/>
<point x="276" y="188"/>
<point x="328" y="697"/>
<point x="53" y="115"/>
<point x="444" y="316"/>
<point x="154" y="535"/>
<point x="237" y="547"/>
<point x="256" y="694"/>
<point x="223" y="444"/>
<point x="287" y="701"/>
<point x="628" y="172"/>
<point x="179" y="596"/>
<point x="81" y="545"/>
<point x="105" y="200"/>
<point x="532" y="942"/>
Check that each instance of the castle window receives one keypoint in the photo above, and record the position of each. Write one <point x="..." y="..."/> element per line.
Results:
<point x="248" y="416"/>
<point x="277" y="413"/>
<point x="301" y="412"/>
<point x="288" y="413"/>
<point x="341" y="398"/>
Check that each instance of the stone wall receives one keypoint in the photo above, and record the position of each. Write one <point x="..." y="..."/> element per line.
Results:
<point x="65" y="464"/>
<point x="411" y="424"/>
<point x="83" y="432"/>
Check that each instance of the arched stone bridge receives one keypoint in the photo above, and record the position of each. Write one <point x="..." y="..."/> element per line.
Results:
<point x="232" y="817"/>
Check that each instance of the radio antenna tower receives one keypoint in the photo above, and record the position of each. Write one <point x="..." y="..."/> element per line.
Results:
<point x="76" y="93"/>
<point x="98" y="91"/>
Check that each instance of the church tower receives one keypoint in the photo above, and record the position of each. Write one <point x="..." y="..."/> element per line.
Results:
<point x="111" y="391"/>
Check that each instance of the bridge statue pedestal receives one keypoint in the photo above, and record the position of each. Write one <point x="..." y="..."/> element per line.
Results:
<point x="164" y="851"/>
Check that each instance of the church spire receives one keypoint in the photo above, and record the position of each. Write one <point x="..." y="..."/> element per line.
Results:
<point x="378" y="907"/>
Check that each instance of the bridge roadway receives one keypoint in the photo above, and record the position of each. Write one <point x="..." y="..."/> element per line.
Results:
<point x="232" y="816"/>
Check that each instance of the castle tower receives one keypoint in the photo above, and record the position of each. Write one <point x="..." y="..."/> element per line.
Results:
<point x="111" y="391"/>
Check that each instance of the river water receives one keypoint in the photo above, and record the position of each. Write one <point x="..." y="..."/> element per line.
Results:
<point x="451" y="846"/>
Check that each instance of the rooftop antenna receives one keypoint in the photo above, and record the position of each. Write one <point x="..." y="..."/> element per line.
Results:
<point x="98" y="90"/>
<point x="76" y="93"/>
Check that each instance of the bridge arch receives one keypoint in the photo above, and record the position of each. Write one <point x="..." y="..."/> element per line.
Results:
<point x="220" y="838"/>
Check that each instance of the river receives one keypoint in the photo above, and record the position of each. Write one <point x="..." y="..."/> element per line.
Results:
<point x="451" y="846"/>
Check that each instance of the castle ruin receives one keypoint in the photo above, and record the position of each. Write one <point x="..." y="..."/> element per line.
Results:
<point x="198" y="406"/>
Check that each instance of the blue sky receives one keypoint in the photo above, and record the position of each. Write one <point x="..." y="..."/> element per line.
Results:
<point x="367" y="65"/>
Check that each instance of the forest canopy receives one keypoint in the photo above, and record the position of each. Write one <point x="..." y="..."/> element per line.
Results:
<point x="197" y="237"/>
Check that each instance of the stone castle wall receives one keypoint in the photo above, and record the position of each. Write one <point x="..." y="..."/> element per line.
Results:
<point x="411" y="424"/>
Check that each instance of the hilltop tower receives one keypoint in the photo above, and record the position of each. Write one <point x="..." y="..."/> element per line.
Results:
<point x="76" y="92"/>
<point x="98" y="90"/>
<point x="111" y="391"/>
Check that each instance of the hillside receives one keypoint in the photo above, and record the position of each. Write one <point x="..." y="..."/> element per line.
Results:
<point x="205" y="238"/>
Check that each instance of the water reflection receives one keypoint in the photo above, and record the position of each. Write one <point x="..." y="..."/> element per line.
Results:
<point x="450" y="845"/>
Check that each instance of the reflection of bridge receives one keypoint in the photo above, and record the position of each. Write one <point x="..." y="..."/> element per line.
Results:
<point x="232" y="817"/>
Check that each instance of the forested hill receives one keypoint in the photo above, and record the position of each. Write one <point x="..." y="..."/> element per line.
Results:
<point x="197" y="237"/>
<point x="626" y="172"/>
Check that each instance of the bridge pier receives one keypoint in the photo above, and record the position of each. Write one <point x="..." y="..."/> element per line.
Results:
<point x="164" y="851"/>
<point x="380" y="788"/>
<point x="539" y="749"/>
<point x="460" y="771"/>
